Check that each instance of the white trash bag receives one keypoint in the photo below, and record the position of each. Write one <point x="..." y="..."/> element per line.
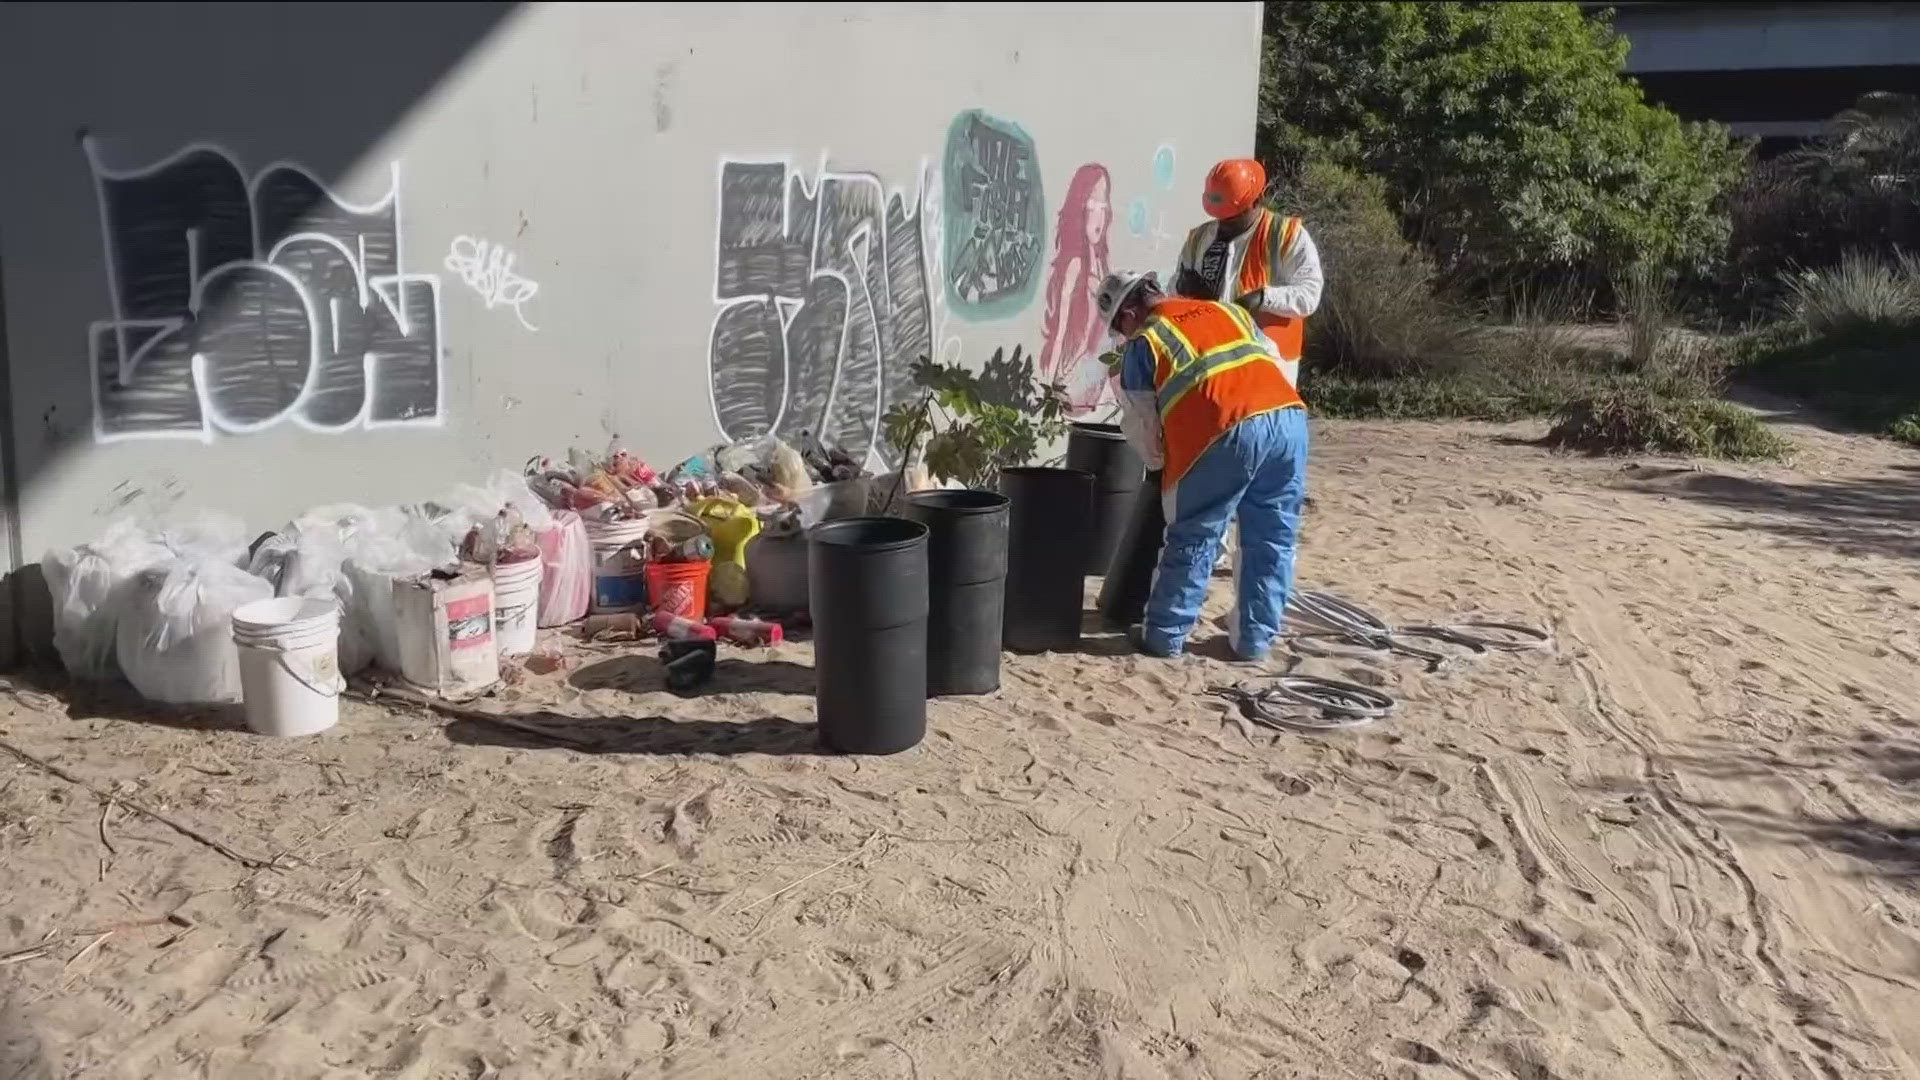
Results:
<point x="174" y="638"/>
<point x="88" y="584"/>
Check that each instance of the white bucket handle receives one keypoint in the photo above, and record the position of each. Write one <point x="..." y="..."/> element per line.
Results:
<point x="340" y="681"/>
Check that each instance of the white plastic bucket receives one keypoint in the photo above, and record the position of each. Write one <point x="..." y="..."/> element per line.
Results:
<point x="289" y="664"/>
<point x="619" y="566"/>
<point x="516" y="606"/>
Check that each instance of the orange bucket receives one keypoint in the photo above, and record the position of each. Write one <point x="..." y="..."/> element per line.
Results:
<point x="679" y="588"/>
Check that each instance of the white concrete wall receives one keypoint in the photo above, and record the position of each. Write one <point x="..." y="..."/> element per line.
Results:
<point x="588" y="143"/>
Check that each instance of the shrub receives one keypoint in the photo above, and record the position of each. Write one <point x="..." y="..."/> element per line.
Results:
<point x="1645" y="301"/>
<point x="1544" y="318"/>
<point x="1632" y="420"/>
<point x="1856" y="190"/>
<point x="1509" y="143"/>
<point x="1860" y="292"/>
<point x="1906" y="429"/>
<point x="1379" y="315"/>
<point x="1492" y="395"/>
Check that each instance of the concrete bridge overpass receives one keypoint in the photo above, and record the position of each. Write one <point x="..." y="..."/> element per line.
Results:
<point x="1777" y="71"/>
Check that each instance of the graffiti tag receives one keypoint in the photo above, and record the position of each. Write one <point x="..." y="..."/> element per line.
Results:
<point x="487" y="268"/>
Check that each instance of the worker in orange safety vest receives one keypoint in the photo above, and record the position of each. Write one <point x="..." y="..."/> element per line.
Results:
<point x="1251" y="256"/>
<point x="1203" y="400"/>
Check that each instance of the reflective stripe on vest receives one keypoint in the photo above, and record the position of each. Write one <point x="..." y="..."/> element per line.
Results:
<point x="1189" y="367"/>
<point x="1266" y="250"/>
<point x="1212" y="369"/>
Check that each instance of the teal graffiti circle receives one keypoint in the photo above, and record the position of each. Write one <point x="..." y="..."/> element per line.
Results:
<point x="995" y="228"/>
<point x="1137" y="216"/>
<point x="1163" y="168"/>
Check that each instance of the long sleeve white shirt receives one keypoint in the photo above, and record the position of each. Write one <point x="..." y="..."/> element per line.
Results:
<point x="1294" y="286"/>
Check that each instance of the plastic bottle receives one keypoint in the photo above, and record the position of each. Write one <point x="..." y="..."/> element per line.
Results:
<point x="679" y="628"/>
<point x="744" y="631"/>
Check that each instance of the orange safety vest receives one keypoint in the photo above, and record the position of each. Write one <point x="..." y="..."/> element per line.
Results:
<point x="1272" y="238"/>
<point x="1212" y="368"/>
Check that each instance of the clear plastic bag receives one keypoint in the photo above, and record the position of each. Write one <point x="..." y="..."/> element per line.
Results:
<point x="88" y="585"/>
<point x="504" y="489"/>
<point x="789" y="469"/>
<point x="207" y="535"/>
<point x="174" y="636"/>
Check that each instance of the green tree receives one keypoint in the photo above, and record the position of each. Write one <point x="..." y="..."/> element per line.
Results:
<point x="1510" y="144"/>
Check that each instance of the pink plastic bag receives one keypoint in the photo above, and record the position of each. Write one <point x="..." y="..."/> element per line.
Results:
<point x="566" y="570"/>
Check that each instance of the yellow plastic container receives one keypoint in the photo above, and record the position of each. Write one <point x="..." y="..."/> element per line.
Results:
<point x="731" y="523"/>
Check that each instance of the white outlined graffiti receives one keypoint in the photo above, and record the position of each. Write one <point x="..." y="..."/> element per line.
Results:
<point x="487" y="268"/>
<point x="946" y="342"/>
<point x="825" y="301"/>
<point x="239" y="303"/>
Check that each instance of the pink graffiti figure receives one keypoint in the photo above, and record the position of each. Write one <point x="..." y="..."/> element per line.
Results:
<point x="1073" y="336"/>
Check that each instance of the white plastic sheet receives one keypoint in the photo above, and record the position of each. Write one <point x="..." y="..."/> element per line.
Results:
<point x="174" y="635"/>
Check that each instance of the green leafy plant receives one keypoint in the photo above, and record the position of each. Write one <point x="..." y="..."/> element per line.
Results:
<point x="1906" y="429"/>
<point x="975" y="423"/>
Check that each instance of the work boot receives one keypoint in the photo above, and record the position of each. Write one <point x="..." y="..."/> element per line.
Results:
<point x="1137" y="634"/>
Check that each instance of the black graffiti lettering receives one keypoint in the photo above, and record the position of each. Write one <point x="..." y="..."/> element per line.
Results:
<point x="826" y="304"/>
<point x="255" y="357"/>
<point x="237" y="305"/>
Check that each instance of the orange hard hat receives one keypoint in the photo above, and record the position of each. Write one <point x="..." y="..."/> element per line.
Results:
<point x="1233" y="187"/>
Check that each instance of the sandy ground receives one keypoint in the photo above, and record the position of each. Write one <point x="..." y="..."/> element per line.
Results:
<point x="1683" y="845"/>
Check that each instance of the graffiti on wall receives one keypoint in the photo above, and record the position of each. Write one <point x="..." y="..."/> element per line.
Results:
<point x="1145" y="219"/>
<point x="239" y="304"/>
<point x="824" y="302"/>
<point x="487" y="269"/>
<point x="1072" y="337"/>
<point x="995" y="216"/>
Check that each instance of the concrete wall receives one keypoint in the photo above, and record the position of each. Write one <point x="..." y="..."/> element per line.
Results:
<point x="262" y="256"/>
<point x="1759" y="36"/>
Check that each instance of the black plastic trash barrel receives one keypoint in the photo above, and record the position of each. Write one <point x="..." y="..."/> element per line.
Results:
<point x="966" y="587"/>
<point x="1101" y="449"/>
<point x="1123" y="595"/>
<point x="1048" y="529"/>
<point x="867" y="591"/>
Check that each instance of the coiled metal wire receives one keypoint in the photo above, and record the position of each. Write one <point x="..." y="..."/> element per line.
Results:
<point x="1329" y="618"/>
<point x="1337" y="704"/>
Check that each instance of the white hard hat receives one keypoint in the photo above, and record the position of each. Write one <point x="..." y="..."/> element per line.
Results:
<point x="1117" y="288"/>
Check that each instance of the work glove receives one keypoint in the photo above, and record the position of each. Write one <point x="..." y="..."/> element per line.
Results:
<point x="1252" y="301"/>
<point x="1190" y="284"/>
